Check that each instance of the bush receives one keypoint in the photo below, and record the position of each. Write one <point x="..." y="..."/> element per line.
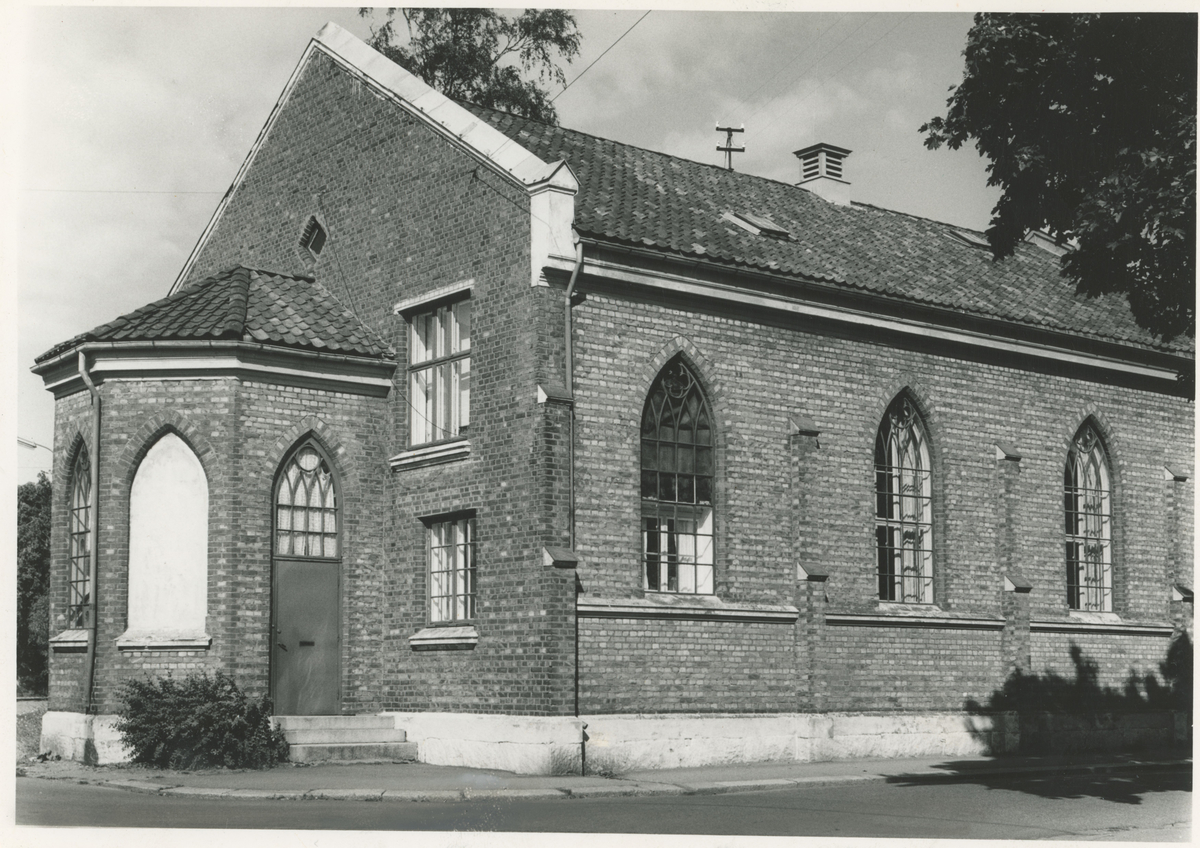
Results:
<point x="198" y="722"/>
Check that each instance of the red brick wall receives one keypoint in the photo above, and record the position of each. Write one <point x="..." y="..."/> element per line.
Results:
<point x="646" y="665"/>
<point x="1116" y="656"/>
<point x="240" y="432"/>
<point x="907" y="668"/>
<point x="760" y="375"/>
<point x="408" y="213"/>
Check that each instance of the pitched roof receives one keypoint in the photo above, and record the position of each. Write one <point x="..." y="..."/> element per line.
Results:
<point x="245" y="304"/>
<point x="632" y="196"/>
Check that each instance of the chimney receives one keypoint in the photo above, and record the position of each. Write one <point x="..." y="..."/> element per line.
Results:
<point x="821" y="172"/>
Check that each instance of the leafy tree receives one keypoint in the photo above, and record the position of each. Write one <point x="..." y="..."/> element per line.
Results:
<point x="33" y="582"/>
<point x="479" y="56"/>
<point x="1089" y="124"/>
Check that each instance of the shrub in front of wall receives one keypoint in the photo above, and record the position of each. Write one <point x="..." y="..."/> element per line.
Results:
<point x="198" y="722"/>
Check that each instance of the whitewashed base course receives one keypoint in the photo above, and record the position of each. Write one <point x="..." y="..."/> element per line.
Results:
<point x="622" y="743"/>
<point x="521" y="744"/>
<point x="86" y="738"/>
<point x="632" y="742"/>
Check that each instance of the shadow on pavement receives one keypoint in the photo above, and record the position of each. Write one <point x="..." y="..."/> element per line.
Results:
<point x="1127" y="786"/>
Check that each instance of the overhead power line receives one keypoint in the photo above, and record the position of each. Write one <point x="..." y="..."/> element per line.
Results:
<point x="601" y="56"/>
<point x="799" y="55"/>
<point x="810" y="66"/>
<point x="843" y="66"/>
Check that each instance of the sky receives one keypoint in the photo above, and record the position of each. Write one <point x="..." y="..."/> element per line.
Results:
<point x="132" y="122"/>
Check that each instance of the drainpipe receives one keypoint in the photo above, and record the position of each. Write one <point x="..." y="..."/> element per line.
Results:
<point x="570" y="368"/>
<point x="93" y="536"/>
<point x="570" y="381"/>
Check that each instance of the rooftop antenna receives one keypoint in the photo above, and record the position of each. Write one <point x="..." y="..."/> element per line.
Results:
<point x="729" y="149"/>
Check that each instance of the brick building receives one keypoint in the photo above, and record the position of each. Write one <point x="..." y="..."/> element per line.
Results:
<point x="509" y="431"/>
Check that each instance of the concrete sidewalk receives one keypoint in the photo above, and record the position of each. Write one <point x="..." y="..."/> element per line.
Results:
<point x="419" y="782"/>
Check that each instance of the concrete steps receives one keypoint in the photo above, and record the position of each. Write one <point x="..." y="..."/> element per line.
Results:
<point x="345" y="739"/>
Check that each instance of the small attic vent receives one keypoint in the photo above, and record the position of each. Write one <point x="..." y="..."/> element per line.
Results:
<point x="1047" y="243"/>
<point x="313" y="239"/>
<point x="757" y="224"/>
<point x="972" y="239"/>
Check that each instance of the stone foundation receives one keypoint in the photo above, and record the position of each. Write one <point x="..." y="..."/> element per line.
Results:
<point x="521" y="744"/>
<point x="91" y="739"/>
<point x="618" y="743"/>
<point x="615" y="744"/>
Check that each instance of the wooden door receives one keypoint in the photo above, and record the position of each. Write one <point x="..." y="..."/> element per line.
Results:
<point x="306" y="586"/>
<point x="305" y="645"/>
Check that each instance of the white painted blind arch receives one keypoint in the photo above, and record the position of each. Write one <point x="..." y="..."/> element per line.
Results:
<point x="168" y="543"/>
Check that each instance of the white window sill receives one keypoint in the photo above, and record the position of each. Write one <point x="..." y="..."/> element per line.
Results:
<point x="1091" y="617"/>
<point x="900" y="608"/>
<point x="163" y="640"/>
<point x="663" y="605"/>
<point x="928" y="616"/>
<point x="459" y="638"/>
<point x="431" y="455"/>
<point x="69" y="640"/>
<point x="1100" y="623"/>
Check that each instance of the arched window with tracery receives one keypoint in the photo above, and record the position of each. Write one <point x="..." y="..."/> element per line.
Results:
<point x="306" y="507"/>
<point x="1087" y="501"/>
<point x="79" y="594"/>
<point x="903" y="507"/>
<point x="677" y="485"/>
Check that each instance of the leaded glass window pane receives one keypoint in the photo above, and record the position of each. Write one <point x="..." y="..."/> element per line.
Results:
<point x="79" y="594"/>
<point x="1087" y="507"/>
<point x="676" y="485"/>
<point x="903" y="507"/>
<point x="306" y="509"/>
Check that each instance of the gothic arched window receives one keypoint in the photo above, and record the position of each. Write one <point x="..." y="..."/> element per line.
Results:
<point x="79" y="594"/>
<point x="903" y="507"/>
<point x="677" y="485"/>
<point x="306" y="508"/>
<point x="1087" y="506"/>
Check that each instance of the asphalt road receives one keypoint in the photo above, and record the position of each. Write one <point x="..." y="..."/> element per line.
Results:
<point x="1150" y="807"/>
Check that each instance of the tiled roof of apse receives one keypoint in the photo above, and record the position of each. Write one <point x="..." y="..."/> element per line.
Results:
<point x="245" y="304"/>
<point x="673" y="206"/>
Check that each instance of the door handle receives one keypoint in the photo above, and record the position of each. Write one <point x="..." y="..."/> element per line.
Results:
<point x="282" y="646"/>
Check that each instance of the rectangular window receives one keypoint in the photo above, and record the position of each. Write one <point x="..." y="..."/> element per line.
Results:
<point x="677" y="549"/>
<point x="439" y="394"/>
<point x="452" y="570"/>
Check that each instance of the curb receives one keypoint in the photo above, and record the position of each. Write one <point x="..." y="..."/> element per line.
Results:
<point x="619" y="788"/>
<point x="761" y="784"/>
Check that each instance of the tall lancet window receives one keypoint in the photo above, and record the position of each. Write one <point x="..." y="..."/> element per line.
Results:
<point x="903" y="507"/>
<point x="79" y="593"/>
<point x="677" y="485"/>
<point x="1087" y="504"/>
